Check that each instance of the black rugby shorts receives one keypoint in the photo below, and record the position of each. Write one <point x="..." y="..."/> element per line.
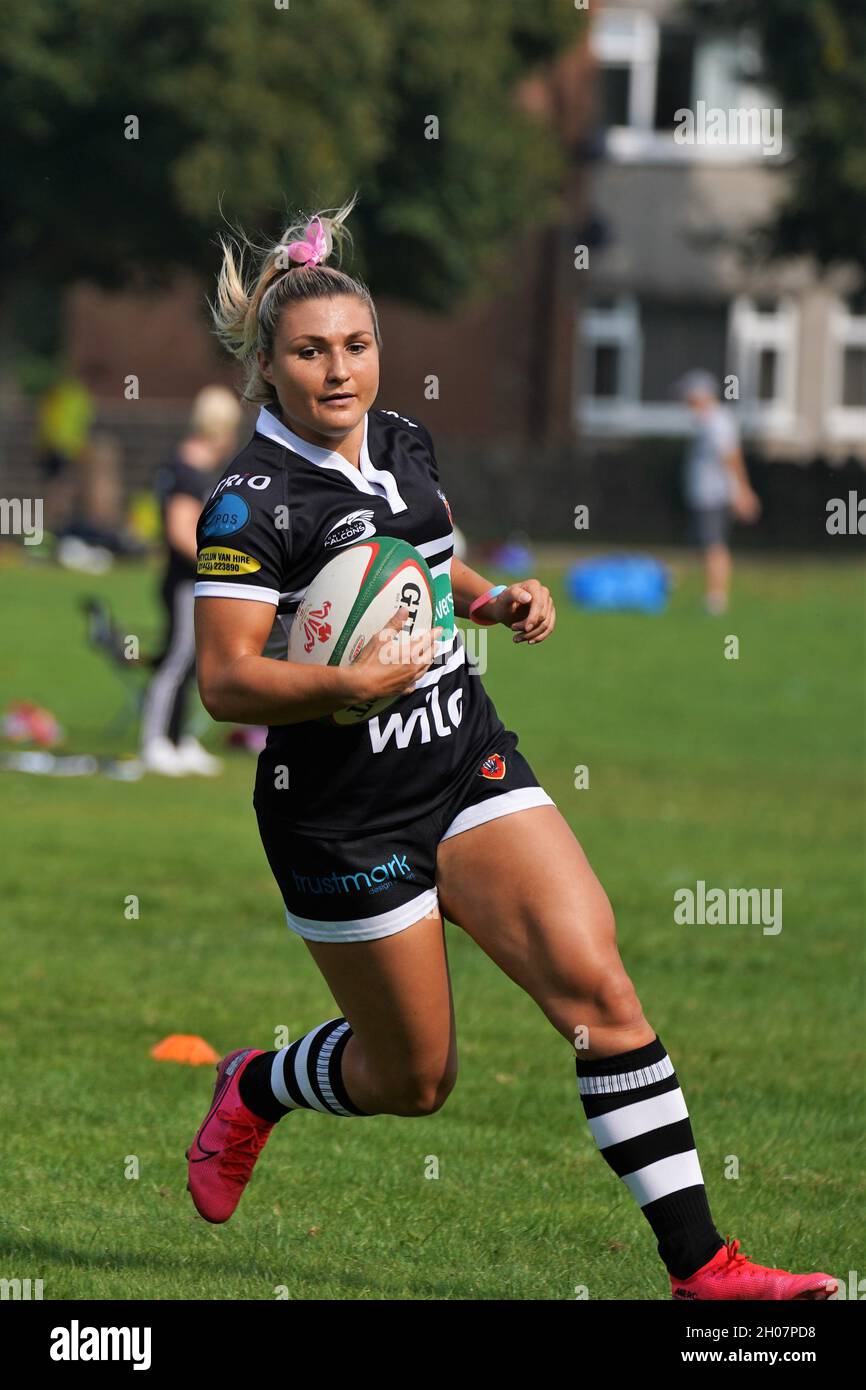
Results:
<point x="360" y="887"/>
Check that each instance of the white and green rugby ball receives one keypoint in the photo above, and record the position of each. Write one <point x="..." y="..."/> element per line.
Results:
<point x="351" y="599"/>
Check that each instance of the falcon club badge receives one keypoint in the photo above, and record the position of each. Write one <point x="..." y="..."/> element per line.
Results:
<point x="493" y="768"/>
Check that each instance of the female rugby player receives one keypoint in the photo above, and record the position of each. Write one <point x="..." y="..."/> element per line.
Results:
<point x="376" y="831"/>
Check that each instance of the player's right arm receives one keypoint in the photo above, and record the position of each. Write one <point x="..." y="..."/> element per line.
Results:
<point x="240" y="685"/>
<point x="245" y="562"/>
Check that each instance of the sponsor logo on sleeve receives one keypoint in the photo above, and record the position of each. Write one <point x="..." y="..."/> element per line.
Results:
<point x="231" y="513"/>
<point x="214" y="560"/>
<point x="257" y="481"/>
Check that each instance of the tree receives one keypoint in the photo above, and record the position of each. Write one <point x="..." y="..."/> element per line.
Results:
<point x="129" y="124"/>
<point x="814" y="57"/>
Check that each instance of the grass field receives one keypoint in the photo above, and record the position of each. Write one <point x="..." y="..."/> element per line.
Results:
<point x="745" y="772"/>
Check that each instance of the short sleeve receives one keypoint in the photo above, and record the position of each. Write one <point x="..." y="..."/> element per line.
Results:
<point x="725" y="434"/>
<point x="244" y="541"/>
<point x="427" y="440"/>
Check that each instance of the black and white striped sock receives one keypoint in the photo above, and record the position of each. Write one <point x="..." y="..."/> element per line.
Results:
<point x="306" y="1075"/>
<point x="638" y="1117"/>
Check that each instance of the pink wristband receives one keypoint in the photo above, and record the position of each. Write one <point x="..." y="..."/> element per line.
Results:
<point x="481" y="600"/>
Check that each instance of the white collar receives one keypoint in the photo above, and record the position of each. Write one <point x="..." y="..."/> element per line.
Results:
<point x="362" y="478"/>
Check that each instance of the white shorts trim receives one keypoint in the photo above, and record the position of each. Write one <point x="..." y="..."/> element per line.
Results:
<point x="366" y="928"/>
<point x="495" y="806"/>
<point x="211" y="588"/>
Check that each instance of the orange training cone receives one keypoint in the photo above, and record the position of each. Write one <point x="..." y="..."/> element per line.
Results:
<point x="186" y="1048"/>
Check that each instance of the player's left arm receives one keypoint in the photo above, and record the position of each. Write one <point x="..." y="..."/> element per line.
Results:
<point x="526" y="606"/>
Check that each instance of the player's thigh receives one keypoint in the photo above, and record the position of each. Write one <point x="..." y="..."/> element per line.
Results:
<point x="396" y="993"/>
<point x="523" y="889"/>
<point x="390" y="980"/>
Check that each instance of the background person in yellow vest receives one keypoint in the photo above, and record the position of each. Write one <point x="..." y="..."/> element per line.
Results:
<point x="64" y="417"/>
<point x="183" y="485"/>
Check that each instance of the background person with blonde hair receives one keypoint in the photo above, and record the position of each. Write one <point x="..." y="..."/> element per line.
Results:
<point x="183" y="485"/>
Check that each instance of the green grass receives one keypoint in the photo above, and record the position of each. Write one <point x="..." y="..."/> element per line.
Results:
<point x="747" y="772"/>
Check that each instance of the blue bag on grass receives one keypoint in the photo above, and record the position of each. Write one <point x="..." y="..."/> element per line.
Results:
<point x="619" y="581"/>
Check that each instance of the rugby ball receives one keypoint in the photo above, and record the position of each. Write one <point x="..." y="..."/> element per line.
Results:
<point x="351" y="599"/>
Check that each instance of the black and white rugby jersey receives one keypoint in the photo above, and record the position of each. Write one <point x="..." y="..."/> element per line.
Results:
<point x="281" y="510"/>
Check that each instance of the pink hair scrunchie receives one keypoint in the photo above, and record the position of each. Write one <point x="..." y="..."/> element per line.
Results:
<point x="312" y="249"/>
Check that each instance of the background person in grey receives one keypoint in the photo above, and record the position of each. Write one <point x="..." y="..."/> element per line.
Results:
<point x="716" y="484"/>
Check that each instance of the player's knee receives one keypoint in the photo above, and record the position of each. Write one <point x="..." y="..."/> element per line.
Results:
<point x="423" y="1091"/>
<point x="615" y="1001"/>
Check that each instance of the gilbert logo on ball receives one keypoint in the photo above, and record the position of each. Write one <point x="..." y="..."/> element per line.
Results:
<point x="351" y="599"/>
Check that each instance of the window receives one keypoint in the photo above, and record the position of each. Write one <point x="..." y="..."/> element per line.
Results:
<point x="606" y="370"/>
<point x="762" y="355"/>
<point x="614" y="85"/>
<point x="854" y="377"/>
<point x="611" y="338"/>
<point x="768" y="359"/>
<point x="846" y="373"/>
<point x="676" y="339"/>
<point x="634" y="351"/>
<point x="625" y="43"/>
<point x="648" y="72"/>
<point x="675" y="76"/>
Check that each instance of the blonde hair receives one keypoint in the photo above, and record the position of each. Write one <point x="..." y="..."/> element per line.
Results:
<point x="215" y="412"/>
<point x="248" y="307"/>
